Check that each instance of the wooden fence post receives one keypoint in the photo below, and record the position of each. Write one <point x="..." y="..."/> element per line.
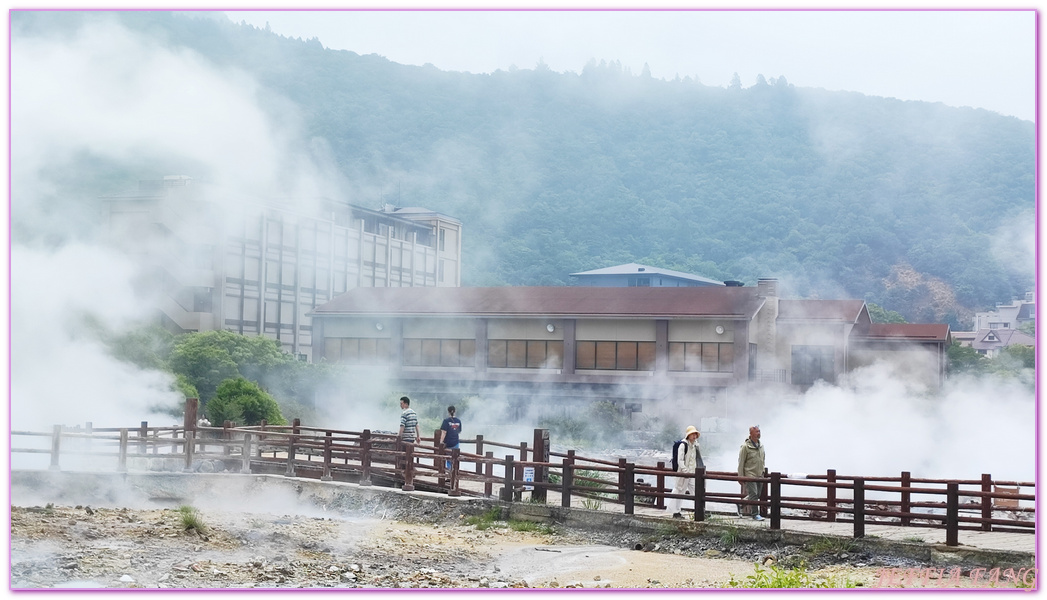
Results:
<point x="261" y="436"/>
<point x="365" y="457"/>
<point x="762" y="508"/>
<point x="245" y="454"/>
<point x="830" y="495"/>
<point x="906" y="506"/>
<point x="122" y="462"/>
<point x="627" y="489"/>
<point x="518" y="494"/>
<point x="659" y="501"/>
<point x="190" y="449"/>
<point x="328" y="441"/>
<point x="453" y="484"/>
<point x="56" y="446"/>
<point x="227" y="436"/>
<point x="699" y="493"/>
<point x="776" y="500"/>
<point x="489" y="475"/>
<point x="480" y="452"/>
<point x="952" y="514"/>
<point x="567" y="481"/>
<point x="621" y="480"/>
<point x="507" y="484"/>
<point x="859" y="507"/>
<point x="540" y="454"/>
<point x="289" y="471"/>
<point x="408" y="467"/>
<point x="143" y="433"/>
<point x="986" y="502"/>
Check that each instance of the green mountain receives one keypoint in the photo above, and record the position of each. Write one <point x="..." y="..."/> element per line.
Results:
<point x="903" y="204"/>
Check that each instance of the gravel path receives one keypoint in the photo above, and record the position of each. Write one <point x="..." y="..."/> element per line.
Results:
<point x="85" y="547"/>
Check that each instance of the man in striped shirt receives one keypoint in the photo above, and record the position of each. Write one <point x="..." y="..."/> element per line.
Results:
<point x="408" y="421"/>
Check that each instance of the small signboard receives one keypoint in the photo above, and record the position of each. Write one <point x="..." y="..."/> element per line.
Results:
<point x="528" y="474"/>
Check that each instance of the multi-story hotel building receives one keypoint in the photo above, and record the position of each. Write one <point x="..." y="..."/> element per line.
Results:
<point x="258" y="268"/>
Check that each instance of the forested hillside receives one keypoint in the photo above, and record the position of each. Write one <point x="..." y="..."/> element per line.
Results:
<point x="904" y="204"/>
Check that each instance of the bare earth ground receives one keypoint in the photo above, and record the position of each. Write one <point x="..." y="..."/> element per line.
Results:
<point x="84" y="547"/>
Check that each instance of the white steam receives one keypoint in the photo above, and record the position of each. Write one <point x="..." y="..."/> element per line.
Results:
<point x="106" y="95"/>
<point x="874" y="424"/>
<point x="61" y="373"/>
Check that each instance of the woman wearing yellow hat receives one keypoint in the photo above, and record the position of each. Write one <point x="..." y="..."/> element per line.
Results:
<point x="687" y="457"/>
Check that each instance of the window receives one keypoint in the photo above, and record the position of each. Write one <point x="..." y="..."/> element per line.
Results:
<point x="811" y="363"/>
<point x="357" y="351"/>
<point x="615" y="356"/>
<point x="439" y="353"/>
<point x="525" y="354"/>
<point x="639" y="282"/>
<point x="701" y="357"/>
<point x="443" y="240"/>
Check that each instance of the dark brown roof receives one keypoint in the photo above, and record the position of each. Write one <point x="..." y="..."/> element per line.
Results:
<point x="820" y="310"/>
<point x="934" y="332"/>
<point x="696" y="302"/>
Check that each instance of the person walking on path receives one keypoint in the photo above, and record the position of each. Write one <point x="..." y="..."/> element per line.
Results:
<point x="408" y="421"/>
<point x="687" y="458"/>
<point x="449" y="431"/>
<point x="751" y="459"/>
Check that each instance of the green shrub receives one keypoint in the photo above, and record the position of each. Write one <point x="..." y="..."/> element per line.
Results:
<point x="776" y="577"/>
<point x="244" y="403"/>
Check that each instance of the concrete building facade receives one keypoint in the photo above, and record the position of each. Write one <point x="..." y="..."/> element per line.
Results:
<point x="259" y="268"/>
<point x="692" y="346"/>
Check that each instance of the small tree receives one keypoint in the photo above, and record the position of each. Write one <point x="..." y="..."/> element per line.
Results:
<point x="244" y="403"/>
<point x="964" y="359"/>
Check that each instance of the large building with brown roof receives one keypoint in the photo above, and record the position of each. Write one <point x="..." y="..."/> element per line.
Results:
<point x="630" y="345"/>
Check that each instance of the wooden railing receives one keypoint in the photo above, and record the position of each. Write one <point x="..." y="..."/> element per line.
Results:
<point x="371" y="458"/>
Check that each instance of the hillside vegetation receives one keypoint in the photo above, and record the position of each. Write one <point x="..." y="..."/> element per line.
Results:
<point x="903" y="204"/>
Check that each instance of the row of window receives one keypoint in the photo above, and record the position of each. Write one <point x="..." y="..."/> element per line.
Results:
<point x="534" y="354"/>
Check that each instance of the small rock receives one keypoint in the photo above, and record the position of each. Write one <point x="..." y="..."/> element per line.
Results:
<point x="127" y="579"/>
<point x="597" y="578"/>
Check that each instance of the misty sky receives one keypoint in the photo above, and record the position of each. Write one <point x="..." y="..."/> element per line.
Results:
<point x="983" y="59"/>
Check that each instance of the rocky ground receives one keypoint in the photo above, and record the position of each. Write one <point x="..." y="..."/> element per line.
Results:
<point x="85" y="547"/>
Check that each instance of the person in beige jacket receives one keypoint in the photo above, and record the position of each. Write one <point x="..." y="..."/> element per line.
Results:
<point x="751" y="459"/>
<point x="688" y="457"/>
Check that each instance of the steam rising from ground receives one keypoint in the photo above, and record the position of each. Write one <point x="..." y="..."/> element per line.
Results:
<point x="875" y="424"/>
<point x="98" y="101"/>
<point x="62" y="372"/>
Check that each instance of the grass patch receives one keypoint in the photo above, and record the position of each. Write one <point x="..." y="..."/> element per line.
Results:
<point x="777" y="577"/>
<point x="827" y="545"/>
<point x="592" y="503"/>
<point x="190" y="519"/>
<point x="729" y="537"/>
<point x="913" y="538"/>
<point x="485" y="520"/>
<point x="531" y="527"/>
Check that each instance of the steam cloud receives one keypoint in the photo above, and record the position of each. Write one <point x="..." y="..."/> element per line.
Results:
<point x="106" y="96"/>
<point x="109" y="94"/>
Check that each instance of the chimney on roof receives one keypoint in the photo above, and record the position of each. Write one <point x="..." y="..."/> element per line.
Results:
<point x="641" y="269"/>
<point x="767" y="287"/>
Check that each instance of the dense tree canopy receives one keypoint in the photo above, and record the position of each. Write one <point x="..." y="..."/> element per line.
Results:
<point x="899" y="203"/>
